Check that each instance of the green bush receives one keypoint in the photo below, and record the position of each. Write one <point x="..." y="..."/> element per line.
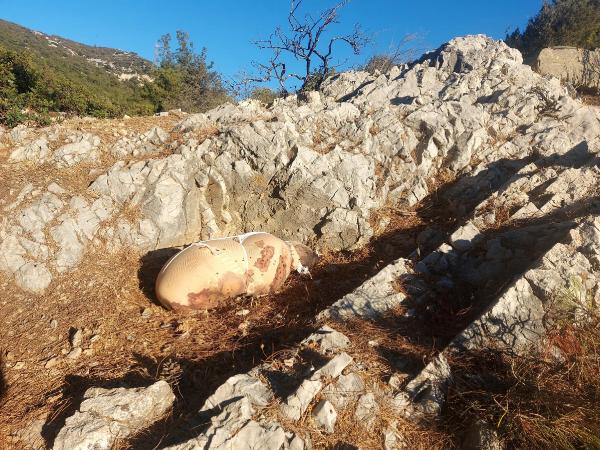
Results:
<point x="28" y="94"/>
<point x="560" y="22"/>
<point x="184" y="79"/>
<point x="32" y="87"/>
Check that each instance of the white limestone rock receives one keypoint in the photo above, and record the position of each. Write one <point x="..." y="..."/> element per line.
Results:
<point x="238" y="386"/>
<point x="325" y="416"/>
<point x="106" y="415"/>
<point x="234" y="428"/>
<point x="326" y="340"/>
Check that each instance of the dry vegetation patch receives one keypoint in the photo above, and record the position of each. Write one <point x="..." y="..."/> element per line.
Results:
<point x="549" y="398"/>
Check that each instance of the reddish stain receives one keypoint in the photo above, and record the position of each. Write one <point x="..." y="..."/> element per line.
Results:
<point x="206" y="298"/>
<point x="281" y="273"/>
<point x="249" y="276"/>
<point x="260" y="244"/>
<point x="266" y="254"/>
<point x="230" y="285"/>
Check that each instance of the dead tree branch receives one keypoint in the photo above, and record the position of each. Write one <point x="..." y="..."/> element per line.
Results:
<point x="305" y="41"/>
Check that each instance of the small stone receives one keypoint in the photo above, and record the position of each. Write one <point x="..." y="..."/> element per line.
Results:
<point x="19" y="365"/>
<point x="465" y="237"/>
<point x="76" y="338"/>
<point x="88" y="352"/>
<point x="94" y="338"/>
<point x="327" y="340"/>
<point x="397" y="380"/>
<point x="51" y="362"/>
<point x="75" y="353"/>
<point x="366" y="410"/>
<point x="325" y="416"/>
<point x="373" y="343"/>
<point x="146" y="313"/>
<point x="242" y="312"/>
<point x="106" y="415"/>
<point x="53" y="323"/>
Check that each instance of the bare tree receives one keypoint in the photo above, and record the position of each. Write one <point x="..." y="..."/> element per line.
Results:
<point x="307" y="42"/>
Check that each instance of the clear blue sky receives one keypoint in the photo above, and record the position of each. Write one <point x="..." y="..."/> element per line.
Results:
<point x="227" y="27"/>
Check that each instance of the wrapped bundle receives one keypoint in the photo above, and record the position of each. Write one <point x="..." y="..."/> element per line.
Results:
<point x="207" y="272"/>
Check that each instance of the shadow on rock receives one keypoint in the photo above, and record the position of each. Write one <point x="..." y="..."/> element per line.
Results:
<point x="74" y="388"/>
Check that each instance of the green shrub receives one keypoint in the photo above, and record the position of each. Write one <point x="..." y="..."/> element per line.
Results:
<point x="560" y="22"/>
<point x="184" y="79"/>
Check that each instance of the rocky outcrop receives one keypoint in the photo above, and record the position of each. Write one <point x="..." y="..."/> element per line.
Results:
<point x="577" y="66"/>
<point x="526" y="229"/>
<point x="311" y="170"/>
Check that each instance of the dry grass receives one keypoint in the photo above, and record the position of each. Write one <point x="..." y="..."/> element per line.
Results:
<point x="76" y="179"/>
<point x="537" y="400"/>
<point x="106" y="296"/>
<point x="376" y="347"/>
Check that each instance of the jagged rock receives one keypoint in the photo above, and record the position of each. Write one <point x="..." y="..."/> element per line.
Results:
<point x="33" y="277"/>
<point x="480" y="436"/>
<point x="84" y="148"/>
<point x="465" y="237"/>
<point x="109" y="414"/>
<point x="315" y="170"/>
<point x="325" y="416"/>
<point x="296" y="403"/>
<point x="345" y="389"/>
<point x="514" y="321"/>
<point x="146" y="144"/>
<point x="373" y="298"/>
<point x="234" y="428"/>
<point x="424" y="396"/>
<point x="34" y="151"/>
<point x="242" y="385"/>
<point x="366" y="410"/>
<point x="327" y="340"/>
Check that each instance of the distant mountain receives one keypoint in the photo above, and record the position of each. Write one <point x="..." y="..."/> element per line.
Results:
<point x="63" y="53"/>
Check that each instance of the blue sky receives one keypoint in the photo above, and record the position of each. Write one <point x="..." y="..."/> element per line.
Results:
<point x="227" y="28"/>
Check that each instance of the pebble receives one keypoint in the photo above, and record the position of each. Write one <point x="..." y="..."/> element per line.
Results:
<point x="325" y="416"/>
<point x="75" y="353"/>
<point x="147" y="312"/>
<point x="53" y="323"/>
<point x="51" y="362"/>
<point x="242" y="312"/>
<point x="76" y="338"/>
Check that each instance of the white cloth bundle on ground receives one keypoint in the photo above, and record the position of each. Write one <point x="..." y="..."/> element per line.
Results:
<point x="206" y="272"/>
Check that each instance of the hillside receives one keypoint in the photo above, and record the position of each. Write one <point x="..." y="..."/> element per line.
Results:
<point x="453" y="201"/>
<point x="61" y="53"/>
<point x="111" y="75"/>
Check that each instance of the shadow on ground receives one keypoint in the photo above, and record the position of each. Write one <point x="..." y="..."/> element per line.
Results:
<point x="431" y="326"/>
